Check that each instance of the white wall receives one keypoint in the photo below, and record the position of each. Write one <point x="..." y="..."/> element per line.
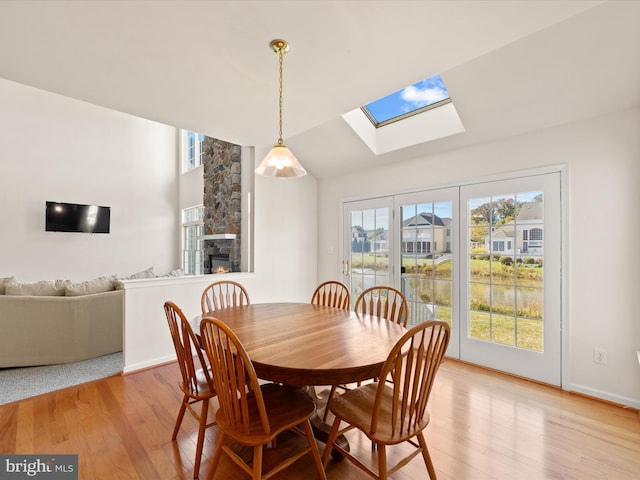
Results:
<point x="59" y="149"/>
<point x="56" y="148"/>
<point x="285" y="236"/>
<point x="603" y="158"/>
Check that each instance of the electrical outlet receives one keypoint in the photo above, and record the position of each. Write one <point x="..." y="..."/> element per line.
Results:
<point x="600" y="356"/>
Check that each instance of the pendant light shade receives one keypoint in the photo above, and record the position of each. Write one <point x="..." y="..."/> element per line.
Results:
<point x="280" y="162"/>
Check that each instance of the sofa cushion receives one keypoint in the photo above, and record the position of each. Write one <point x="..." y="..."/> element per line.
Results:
<point x="148" y="273"/>
<point x="49" y="288"/>
<point x="178" y="272"/>
<point x="3" y="282"/>
<point x="96" y="285"/>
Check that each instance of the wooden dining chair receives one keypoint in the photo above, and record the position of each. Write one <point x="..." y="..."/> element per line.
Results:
<point x="332" y="294"/>
<point x="196" y="384"/>
<point x="252" y="414"/>
<point x="384" y="301"/>
<point x="396" y="412"/>
<point x="223" y="294"/>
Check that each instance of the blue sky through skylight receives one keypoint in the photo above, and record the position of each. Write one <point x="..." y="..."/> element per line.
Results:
<point x="414" y="97"/>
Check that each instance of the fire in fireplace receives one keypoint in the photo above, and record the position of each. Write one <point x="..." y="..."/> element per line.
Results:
<point x="220" y="263"/>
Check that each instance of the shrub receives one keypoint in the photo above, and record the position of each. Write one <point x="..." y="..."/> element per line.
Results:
<point x="506" y="260"/>
<point x="529" y="260"/>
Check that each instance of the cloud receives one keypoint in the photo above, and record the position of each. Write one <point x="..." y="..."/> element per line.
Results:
<point x="423" y="96"/>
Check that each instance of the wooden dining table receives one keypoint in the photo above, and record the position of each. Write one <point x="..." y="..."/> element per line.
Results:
<point x="304" y="345"/>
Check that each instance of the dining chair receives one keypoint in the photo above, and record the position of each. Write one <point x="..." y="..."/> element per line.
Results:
<point x="332" y="294"/>
<point x="396" y="412"/>
<point x="223" y="294"/>
<point x="252" y="414"/>
<point x="384" y="301"/>
<point x="197" y="384"/>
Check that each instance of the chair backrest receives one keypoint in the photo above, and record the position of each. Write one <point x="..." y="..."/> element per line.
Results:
<point x="384" y="301"/>
<point x="235" y="379"/>
<point x="412" y="364"/>
<point x="332" y="294"/>
<point x="223" y="294"/>
<point x="190" y="356"/>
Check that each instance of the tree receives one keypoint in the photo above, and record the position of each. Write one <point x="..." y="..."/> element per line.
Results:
<point x="499" y="212"/>
<point x="505" y="210"/>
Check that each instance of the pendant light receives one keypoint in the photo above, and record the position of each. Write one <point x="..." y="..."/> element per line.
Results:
<point x="280" y="162"/>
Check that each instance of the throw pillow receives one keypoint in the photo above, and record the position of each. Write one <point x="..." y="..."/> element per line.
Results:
<point x="178" y="272"/>
<point x="97" y="285"/>
<point x="51" y="288"/>
<point x="148" y="273"/>
<point x="3" y="282"/>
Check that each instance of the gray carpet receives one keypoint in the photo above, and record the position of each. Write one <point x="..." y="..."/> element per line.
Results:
<point x="19" y="383"/>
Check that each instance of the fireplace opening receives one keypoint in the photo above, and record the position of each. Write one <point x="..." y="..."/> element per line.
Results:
<point x="220" y="263"/>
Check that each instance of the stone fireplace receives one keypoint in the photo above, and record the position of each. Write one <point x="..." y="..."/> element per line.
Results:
<point x="222" y="206"/>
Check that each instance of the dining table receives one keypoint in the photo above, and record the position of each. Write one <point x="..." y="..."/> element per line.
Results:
<point x="306" y="345"/>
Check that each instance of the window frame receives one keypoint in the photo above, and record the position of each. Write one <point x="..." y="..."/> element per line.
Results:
<point x="192" y="228"/>
<point x="191" y="162"/>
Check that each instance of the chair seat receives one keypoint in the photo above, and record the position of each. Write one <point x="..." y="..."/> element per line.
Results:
<point x="286" y="408"/>
<point x="204" y="390"/>
<point x="355" y="407"/>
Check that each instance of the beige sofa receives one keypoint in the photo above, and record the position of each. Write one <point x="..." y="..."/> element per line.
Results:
<point x="46" y="330"/>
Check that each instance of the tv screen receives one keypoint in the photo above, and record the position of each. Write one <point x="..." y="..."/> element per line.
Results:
<point x="73" y="217"/>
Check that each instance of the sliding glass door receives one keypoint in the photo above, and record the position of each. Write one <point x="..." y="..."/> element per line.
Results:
<point x="368" y="240"/>
<point x="484" y="258"/>
<point x="427" y="254"/>
<point x="510" y="295"/>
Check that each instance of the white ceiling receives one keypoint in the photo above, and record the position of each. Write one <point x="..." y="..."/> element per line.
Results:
<point x="510" y="66"/>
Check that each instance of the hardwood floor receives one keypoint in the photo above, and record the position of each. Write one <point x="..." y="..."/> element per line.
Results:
<point x="483" y="426"/>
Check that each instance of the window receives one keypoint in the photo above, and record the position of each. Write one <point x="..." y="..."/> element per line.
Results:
<point x="536" y="234"/>
<point x="416" y="98"/>
<point x="192" y="232"/>
<point x="192" y="150"/>
<point x="409" y="117"/>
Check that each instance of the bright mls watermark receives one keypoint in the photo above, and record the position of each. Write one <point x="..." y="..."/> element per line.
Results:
<point x="51" y="467"/>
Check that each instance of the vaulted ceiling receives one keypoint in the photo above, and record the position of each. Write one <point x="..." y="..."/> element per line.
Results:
<point x="510" y="66"/>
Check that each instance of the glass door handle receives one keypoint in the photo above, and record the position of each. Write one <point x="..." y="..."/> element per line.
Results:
<point x="345" y="270"/>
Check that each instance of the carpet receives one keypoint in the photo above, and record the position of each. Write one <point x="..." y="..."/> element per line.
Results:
<point x="20" y="383"/>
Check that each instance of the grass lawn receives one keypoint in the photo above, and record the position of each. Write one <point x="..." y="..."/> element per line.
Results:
<point x="486" y="321"/>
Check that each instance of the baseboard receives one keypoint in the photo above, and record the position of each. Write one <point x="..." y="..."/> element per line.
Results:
<point x="156" y="362"/>
<point x="620" y="400"/>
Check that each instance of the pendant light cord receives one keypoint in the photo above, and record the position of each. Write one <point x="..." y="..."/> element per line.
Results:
<point x="280" y="141"/>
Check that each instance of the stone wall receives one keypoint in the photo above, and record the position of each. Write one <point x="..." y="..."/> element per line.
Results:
<point x="222" y="199"/>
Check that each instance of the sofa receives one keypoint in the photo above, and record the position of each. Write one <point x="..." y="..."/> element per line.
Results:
<point x="53" y="322"/>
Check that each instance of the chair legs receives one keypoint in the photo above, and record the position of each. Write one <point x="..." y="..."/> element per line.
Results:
<point x="183" y="408"/>
<point x="257" y="462"/>
<point x="326" y="408"/>
<point x="258" y="454"/>
<point x="314" y="451"/>
<point x="217" y="453"/>
<point x="426" y="456"/>
<point x="202" y="426"/>
<point x="382" y="462"/>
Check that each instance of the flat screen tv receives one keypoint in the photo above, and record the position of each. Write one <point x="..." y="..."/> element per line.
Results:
<point x="74" y="217"/>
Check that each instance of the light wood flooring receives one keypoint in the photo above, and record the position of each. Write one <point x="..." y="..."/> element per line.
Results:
<point x="484" y="425"/>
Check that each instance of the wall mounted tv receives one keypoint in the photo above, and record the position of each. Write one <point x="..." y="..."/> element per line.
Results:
<point x="74" y="217"/>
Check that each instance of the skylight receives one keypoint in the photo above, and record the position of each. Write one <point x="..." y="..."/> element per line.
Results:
<point x="415" y="106"/>
<point x="423" y="95"/>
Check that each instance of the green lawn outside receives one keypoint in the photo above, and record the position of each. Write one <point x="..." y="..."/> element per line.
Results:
<point x="495" y="323"/>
